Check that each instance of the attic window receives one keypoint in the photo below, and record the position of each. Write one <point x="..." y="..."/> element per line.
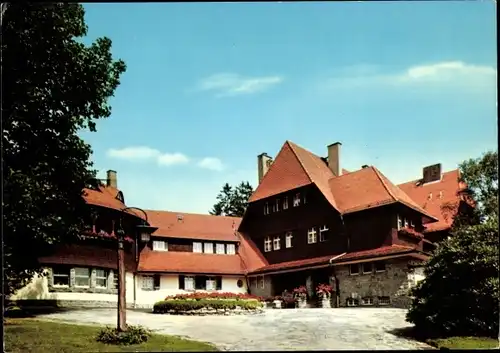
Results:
<point x="120" y="198"/>
<point x="180" y="217"/>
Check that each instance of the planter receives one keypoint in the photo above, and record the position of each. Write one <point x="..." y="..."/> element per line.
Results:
<point x="301" y="303"/>
<point x="324" y="302"/>
<point x="277" y="304"/>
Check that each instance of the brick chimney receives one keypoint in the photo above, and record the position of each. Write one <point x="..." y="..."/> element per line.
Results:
<point x="111" y="179"/>
<point x="334" y="158"/>
<point x="263" y="164"/>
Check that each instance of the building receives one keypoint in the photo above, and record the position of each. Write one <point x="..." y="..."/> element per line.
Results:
<point x="308" y="222"/>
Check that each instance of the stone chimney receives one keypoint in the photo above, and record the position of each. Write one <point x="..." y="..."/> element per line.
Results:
<point x="111" y="179"/>
<point x="263" y="164"/>
<point x="334" y="158"/>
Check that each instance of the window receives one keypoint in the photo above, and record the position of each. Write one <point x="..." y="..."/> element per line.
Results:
<point x="400" y="223"/>
<point x="211" y="283"/>
<point x="277" y="205"/>
<point x="101" y="278"/>
<point x="253" y="282"/>
<point x="274" y="207"/>
<point x="384" y="300"/>
<point x="367" y="301"/>
<point x="82" y="277"/>
<point x="296" y="200"/>
<point x="276" y="243"/>
<point x="354" y="269"/>
<point x="267" y="244"/>
<point x="220" y="248"/>
<point x="266" y="208"/>
<point x="197" y="247"/>
<point x="189" y="283"/>
<point x="379" y="266"/>
<point x="311" y="236"/>
<point x="406" y="222"/>
<point x="412" y="224"/>
<point x="351" y="302"/>
<point x="288" y="239"/>
<point x="323" y="234"/>
<point x="285" y="203"/>
<point x="367" y="267"/>
<point x="147" y="282"/>
<point x="160" y="245"/>
<point x="305" y="199"/>
<point x="60" y="276"/>
<point x="208" y="248"/>
<point x="115" y="279"/>
<point x="230" y="249"/>
<point x="261" y="282"/>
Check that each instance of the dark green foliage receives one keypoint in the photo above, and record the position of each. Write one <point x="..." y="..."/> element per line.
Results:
<point x="133" y="335"/>
<point x="53" y="88"/>
<point x="232" y="201"/>
<point x="183" y="305"/>
<point x="460" y="294"/>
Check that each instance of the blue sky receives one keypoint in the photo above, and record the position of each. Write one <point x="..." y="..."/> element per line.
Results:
<point x="210" y="86"/>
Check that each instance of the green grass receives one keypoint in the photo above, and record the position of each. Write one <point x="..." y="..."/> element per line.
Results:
<point x="37" y="336"/>
<point x="464" y="343"/>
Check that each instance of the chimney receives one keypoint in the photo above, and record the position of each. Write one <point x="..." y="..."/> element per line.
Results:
<point x="263" y="164"/>
<point x="334" y="158"/>
<point x="111" y="179"/>
<point x="364" y="166"/>
<point x="431" y="173"/>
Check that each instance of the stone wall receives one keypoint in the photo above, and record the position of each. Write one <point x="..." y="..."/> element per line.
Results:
<point x="393" y="283"/>
<point x="256" y="287"/>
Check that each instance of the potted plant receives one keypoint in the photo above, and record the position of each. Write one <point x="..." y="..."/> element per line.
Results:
<point x="277" y="302"/>
<point x="300" y="293"/>
<point x="324" y="293"/>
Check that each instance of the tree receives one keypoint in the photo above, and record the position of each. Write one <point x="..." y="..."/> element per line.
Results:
<point x="460" y="293"/>
<point x="54" y="86"/>
<point x="232" y="201"/>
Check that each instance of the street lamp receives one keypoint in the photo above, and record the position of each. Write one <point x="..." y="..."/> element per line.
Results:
<point x="144" y="231"/>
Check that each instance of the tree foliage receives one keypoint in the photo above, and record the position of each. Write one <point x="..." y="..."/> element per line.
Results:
<point x="53" y="87"/>
<point x="460" y="293"/>
<point x="232" y="201"/>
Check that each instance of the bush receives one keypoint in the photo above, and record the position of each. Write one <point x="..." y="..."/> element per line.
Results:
<point x="182" y="305"/>
<point x="215" y="295"/>
<point x="133" y="335"/>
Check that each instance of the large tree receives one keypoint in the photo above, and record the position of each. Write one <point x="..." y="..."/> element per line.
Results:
<point x="54" y="86"/>
<point x="232" y="201"/>
<point x="460" y="294"/>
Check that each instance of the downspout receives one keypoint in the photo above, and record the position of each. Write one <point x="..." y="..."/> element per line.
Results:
<point x="337" y="286"/>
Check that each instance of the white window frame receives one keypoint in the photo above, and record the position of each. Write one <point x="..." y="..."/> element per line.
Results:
<point x="363" y="267"/>
<point x="400" y="223"/>
<point x="285" y="203"/>
<point x="208" y="246"/>
<point x="379" y="262"/>
<point x="405" y="222"/>
<point x="312" y="236"/>
<point x="367" y="301"/>
<point x="230" y="249"/>
<point x="189" y="283"/>
<point x="262" y="282"/>
<point x="276" y="243"/>
<point x="277" y="205"/>
<point x="350" y="270"/>
<point x="81" y="276"/>
<point x="288" y="239"/>
<point x="267" y="244"/>
<point x="158" y="247"/>
<point x="384" y="300"/>
<point x="266" y="208"/>
<point x="351" y="302"/>
<point x="296" y="200"/>
<point x="220" y="248"/>
<point x="211" y="284"/>
<point x="147" y="282"/>
<point x="60" y="274"/>
<point x="412" y="224"/>
<point x="105" y="278"/>
<point x="322" y="230"/>
<point x="198" y="247"/>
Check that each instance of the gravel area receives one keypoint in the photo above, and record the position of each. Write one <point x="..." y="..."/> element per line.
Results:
<point x="285" y="329"/>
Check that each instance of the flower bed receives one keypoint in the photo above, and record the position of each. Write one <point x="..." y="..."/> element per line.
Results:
<point x="214" y="295"/>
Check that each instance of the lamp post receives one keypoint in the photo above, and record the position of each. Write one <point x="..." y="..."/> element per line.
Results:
<point x="144" y="232"/>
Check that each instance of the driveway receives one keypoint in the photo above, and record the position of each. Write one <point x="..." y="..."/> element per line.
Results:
<point x="286" y="329"/>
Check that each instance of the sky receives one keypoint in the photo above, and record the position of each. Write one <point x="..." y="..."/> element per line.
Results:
<point x="209" y="86"/>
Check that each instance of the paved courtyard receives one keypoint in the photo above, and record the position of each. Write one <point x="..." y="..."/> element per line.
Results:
<point x="286" y="329"/>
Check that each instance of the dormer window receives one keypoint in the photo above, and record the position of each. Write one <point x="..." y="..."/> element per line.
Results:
<point x="266" y="208"/>
<point x="220" y="248"/>
<point x="277" y="205"/>
<point x="400" y="223"/>
<point x="276" y="243"/>
<point x="285" y="203"/>
<point x="197" y="247"/>
<point x="230" y="249"/>
<point x="120" y="197"/>
<point x="208" y="248"/>
<point x="160" y="245"/>
<point x="267" y="244"/>
<point x="296" y="200"/>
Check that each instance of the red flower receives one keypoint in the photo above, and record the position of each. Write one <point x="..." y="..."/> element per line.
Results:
<point x="323" y="289"/>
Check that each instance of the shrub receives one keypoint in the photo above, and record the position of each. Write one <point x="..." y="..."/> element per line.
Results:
<point x="182" y="305"/>
<point x="215" y="295"/>
<point x="133" y="335"/>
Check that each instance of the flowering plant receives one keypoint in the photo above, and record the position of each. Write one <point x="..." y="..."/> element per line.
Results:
<point x="323" y="290"/>
<point x="300" y="292"/>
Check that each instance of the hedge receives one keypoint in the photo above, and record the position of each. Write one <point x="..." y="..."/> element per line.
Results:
<point x="164" y="306"/>
<point x="214" y="295"/>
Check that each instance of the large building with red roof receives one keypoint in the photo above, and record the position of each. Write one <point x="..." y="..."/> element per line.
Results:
<point x="309" y="222"/>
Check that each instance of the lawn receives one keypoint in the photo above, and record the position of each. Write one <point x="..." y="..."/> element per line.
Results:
<point x="464" y="343"/>
<point x="37" y="336"/>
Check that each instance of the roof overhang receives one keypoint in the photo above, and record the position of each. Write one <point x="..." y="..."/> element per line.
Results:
<point x="190" y="273"/>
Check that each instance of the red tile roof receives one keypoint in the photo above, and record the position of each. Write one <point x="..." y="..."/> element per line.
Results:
<point x="412" y="233"/>
<point x="250" y="255"/>
<point x="188" y="262"/>
<point x="106" y="196"/>
<point x="193" y="226"/>
<point x="444" y="192"/>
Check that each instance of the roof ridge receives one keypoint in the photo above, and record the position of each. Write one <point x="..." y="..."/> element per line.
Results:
<point x="193" y="214"/>
<point x="377" y="173"/>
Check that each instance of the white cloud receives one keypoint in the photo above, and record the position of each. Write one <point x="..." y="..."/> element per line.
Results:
<point x="169" y="159"/>
<point x="228" y="84"/>
<point x="456" y="73"/>
<point x="211" y="163"/>
<point x="133" y="153"/>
